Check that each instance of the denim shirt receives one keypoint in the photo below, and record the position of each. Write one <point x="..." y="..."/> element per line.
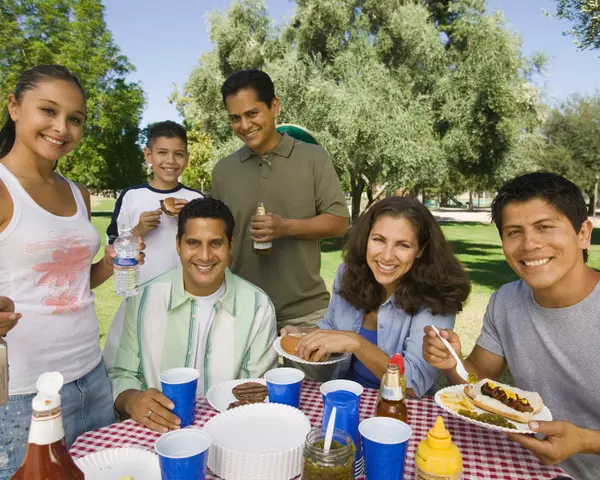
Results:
<point x="397" y="332"/>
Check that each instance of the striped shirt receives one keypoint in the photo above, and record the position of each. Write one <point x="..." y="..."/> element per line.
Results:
<point x="157" y="330"/>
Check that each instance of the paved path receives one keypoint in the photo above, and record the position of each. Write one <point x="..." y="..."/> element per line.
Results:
<point x="451" y="215"/>
<point x="478" y="216"/>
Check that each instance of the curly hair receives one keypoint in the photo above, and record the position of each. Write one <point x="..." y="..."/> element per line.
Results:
<point x="436" y="280"/>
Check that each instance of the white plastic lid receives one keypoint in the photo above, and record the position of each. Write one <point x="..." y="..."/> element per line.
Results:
<point x="48" y="386"/>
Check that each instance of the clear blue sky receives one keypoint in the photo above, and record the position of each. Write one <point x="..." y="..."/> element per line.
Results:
<point x="164" y="40"/>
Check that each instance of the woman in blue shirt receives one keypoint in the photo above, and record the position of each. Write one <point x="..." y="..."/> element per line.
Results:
<point x="399" y="275"/>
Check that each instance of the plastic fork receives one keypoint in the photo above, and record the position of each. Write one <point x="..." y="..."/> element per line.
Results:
<point x="460" y="368"/>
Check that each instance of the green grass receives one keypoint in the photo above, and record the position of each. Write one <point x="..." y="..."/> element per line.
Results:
<point x="476" y="245"/>
<point x="103" y="204"/>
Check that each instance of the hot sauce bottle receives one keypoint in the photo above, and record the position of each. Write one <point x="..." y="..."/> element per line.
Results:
<point x="47" y="457"/>
<point x="393" y="391"/>
<point x="261" y="248"/>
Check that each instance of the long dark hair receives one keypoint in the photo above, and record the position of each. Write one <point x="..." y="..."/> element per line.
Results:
<point x="436" y="280"/>
<point x="28" y="80"/>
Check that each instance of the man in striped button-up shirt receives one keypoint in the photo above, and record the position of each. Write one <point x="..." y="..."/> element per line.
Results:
<point x="199" y="315"/>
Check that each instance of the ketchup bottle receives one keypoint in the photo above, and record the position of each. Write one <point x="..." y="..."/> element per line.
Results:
<point x="393" y="391"/>
<point x="47" y="457"/>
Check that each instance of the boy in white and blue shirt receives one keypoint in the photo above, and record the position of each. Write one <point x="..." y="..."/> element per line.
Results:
<point x="139" y="206"/>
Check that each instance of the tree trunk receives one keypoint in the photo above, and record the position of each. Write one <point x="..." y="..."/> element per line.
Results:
<point x="595" y="198"/>
<point x="357" y="187"/>
<point x="591" y="205"/>
<point x="470" y="200"/>
<point x="369" y="195"/>
<point x="415" y="190"/>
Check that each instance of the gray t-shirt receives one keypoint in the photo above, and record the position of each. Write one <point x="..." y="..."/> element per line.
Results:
<point x="553" y="351"/>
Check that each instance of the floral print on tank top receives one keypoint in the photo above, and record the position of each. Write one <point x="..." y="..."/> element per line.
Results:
<point x="63" y="275"/>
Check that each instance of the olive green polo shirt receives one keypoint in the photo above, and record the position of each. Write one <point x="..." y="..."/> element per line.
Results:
<point x="294" y="180"/>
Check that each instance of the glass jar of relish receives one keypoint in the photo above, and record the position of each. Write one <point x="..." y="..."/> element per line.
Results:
<point x="337" y="464"/>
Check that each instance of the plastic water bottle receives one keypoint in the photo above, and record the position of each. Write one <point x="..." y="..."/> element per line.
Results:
<point x="127" y="269"/>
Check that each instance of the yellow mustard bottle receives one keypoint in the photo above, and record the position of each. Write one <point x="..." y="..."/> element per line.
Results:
<point x="437" y="457"/>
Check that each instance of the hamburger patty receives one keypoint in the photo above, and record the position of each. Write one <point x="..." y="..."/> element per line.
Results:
<point x="253" y="392"/>
<point x="238" y="403"/>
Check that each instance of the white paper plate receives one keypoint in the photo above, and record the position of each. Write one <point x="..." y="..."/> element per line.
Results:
<point x="115" y="463"/>
<point x="219" y="396"/>
<point x="262" y="441"/>
<point x="335" y="358"/>
<point x="544" y="414"/>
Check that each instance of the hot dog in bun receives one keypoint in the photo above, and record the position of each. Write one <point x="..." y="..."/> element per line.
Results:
<point x="510" y="402"/>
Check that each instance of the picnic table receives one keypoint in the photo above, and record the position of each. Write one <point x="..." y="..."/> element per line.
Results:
<point x="487" y="454"/>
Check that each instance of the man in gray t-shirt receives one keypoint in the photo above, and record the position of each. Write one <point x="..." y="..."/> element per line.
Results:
<point x="546" y="325"/>
<point x="551" y="351"/>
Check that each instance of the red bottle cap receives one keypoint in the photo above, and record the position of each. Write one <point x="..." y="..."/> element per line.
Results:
<point x="398" y="360"/>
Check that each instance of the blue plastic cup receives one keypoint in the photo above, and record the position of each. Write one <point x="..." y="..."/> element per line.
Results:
<point x="183" y="454"/>
<point x="346" y="419"/>
<point x="341" y="384"/>
<point x="384" y="443"/>
<point x="179" y="385"/>
<point x="284" y="385"/>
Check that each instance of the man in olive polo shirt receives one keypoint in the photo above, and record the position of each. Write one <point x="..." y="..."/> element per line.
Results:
<point x="302" y="194"/>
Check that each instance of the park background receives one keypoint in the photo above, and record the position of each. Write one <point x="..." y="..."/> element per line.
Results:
<point x="439" y="99"/>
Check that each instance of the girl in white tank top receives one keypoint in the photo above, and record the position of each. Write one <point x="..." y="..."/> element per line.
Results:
<point x="47" y="246"/>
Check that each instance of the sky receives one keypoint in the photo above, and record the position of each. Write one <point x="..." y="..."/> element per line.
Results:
<point x="164" y="45"/>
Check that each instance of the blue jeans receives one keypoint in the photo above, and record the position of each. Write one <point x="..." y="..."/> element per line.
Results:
<point x="86" y="404"/>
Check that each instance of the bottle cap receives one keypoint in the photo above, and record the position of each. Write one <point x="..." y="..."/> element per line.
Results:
<point x="48" y="386"/>
<point x="438" y="436"/>
<point x="398" y="360"/>
<point x="125" y="227"/>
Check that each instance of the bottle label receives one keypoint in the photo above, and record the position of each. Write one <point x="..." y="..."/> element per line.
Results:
<point x="421" y="475"/>
<point x="394" y="394"/>
<point x="262" y="246"/>
<point x="47" y="430"/>
<point x="125" y="262"/>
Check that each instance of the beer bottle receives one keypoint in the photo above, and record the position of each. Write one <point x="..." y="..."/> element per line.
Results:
<point x="47" y="457"/>
<point x="261" y="248"/>
<point x="393" y="391"/>
<point x="3" y="372"/>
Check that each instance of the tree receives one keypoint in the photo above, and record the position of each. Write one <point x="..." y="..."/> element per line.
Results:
<point x="585" y="14"/>
<point x="569" y="143"/>
<point x="486" y="100"/>
<point x="73" y="33"/>
<point x="198" y="172"/>
<point x="399" y="93"/>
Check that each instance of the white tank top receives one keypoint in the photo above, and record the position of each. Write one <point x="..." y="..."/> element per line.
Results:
<point x="45" y="263"/>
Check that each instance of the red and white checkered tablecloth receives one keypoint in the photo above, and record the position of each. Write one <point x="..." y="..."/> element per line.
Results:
<point x="487" y="454"/>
